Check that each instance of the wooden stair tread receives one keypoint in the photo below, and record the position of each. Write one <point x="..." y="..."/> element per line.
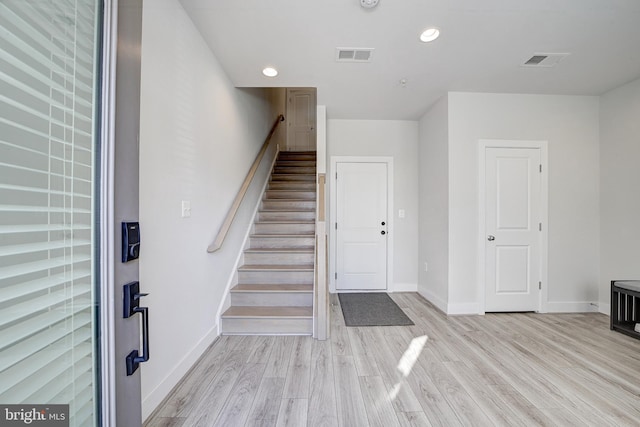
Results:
<point x="301" y="235"/>
<point x="307" y="288"/>
<point x="288" y="199"/>
<point x="275" y="312"/>
<point x="286" y="221"/>
<point x="279" y="267"/>
<point x="287" y="210"/>
<point x="279" y="250"/>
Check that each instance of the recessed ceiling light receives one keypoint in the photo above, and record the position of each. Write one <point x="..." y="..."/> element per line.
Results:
<point x="429" y="35"/>
<point x="368" y="4"/>
<point x="270" y="72"/>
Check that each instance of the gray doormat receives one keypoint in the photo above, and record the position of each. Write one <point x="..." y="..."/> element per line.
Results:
<point x="372" y="309"/>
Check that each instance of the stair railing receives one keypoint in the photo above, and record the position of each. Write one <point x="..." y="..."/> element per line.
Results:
<point x="321" y="291"/>
<point x="226" y="225"/>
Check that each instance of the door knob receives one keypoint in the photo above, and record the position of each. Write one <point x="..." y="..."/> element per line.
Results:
<point x="383" y="232"/>
<point x="491" y="238"/>
<point x="384" y="223"/>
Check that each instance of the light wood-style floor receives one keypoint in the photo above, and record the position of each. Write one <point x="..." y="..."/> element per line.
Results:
<point x="498" y="369"/>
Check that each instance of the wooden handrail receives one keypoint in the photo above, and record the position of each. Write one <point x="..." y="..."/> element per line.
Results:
<point x="226" y="225"/>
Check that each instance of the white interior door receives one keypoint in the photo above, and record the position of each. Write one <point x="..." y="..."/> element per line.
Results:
<point x="512" y="228"/>
<point x="362" y="226"/>
<point x="301" y="119"/>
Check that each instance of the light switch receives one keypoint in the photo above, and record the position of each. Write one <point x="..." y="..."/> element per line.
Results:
<point x="401" y="213"/>
<point x="186" y="208"/>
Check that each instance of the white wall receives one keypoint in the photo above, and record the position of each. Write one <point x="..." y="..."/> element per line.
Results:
<point x="434" y="204"/>
<point x="619" y="187"/>
<point x="397" y="139"/>
<point x="198" y="138"/>
<point x="570" y="125"/>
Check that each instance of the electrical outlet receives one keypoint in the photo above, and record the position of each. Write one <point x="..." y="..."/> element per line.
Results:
<point x="401" y="213"/>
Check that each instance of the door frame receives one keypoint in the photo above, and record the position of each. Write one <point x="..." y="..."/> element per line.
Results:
<point x="107" y="249"/>
<point x="120" y="397"/>
<point x="544" y="215"/>
<point x="333" y="215"/>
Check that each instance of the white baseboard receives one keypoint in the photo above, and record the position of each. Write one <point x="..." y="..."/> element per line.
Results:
<point x="463" y="309"/>
<point x="404" y="287"/>
<point x="572" y="307"/>
<point x="433" y="299"/>
<point x="157" y="395"/>
<point x="604" y="308"/>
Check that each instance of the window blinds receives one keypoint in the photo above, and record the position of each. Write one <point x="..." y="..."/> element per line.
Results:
<point x="47" y="154"/>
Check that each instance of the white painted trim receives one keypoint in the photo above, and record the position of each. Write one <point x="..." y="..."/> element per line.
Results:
<point x="462" y="309"/>
<point x="155" y="397"/>
<point x="434" y="299"/>
<point x="333" y="214"/>
<point x="404" y="287"/>
<point x="321" y="139"/>
<point x="106" y="194"/>
<point x="572" y="307"/>
<point x="544" y="215"/>
<point x="604" y="308"/>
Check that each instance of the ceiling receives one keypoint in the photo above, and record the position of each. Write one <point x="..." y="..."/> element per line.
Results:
<point x="481" y="48"/>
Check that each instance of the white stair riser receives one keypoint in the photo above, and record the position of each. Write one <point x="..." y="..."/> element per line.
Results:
<point x="275" y="326"/>
<point x="286" y="216"/>
<point x="288" y="258"/>
<point x="290" y="194"/>
<point x="284" y="228"/>
<point x="288" y="205"/>
<point x="297" y="163"/>
<point x="292" y="185"/>
<point x="288" y="156"/>
<point x="275" y="277"/>
<point x="293" y="170"/>
<point x="282" y="242"/>
<point x="294" y="177"/>
<point x="272" y="299"/>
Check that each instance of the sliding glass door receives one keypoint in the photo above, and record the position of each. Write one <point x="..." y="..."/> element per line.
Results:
<point x="49" y="57"/>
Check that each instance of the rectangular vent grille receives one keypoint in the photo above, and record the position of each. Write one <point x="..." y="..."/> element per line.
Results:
<point x="349" y="54"/>
<point x="544" y="60"/>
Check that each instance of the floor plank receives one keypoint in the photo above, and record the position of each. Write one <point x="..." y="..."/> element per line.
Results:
<point x="350" y="403"/>
<point x="322" y="411"/>
<point x="299" y="373"/>
<point x="237" y="406"/>
<point x="293" y="413"/>
<point x="376" y="399"/>
<point x="266" y="404"/>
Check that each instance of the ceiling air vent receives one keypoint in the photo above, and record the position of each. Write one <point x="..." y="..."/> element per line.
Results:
<point x="350" y="54"/>
<point x="544" y="59"/>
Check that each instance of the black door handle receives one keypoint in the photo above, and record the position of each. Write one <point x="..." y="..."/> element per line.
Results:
<point x="383" y="232"/>
<point x="134" y="359"/>
<point x="131" y="306"/>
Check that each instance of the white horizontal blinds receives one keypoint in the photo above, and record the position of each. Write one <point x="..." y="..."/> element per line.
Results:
<point x="47" y="146"/>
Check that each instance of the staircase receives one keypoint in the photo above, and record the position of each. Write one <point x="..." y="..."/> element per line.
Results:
<point x="274" y="293"/>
